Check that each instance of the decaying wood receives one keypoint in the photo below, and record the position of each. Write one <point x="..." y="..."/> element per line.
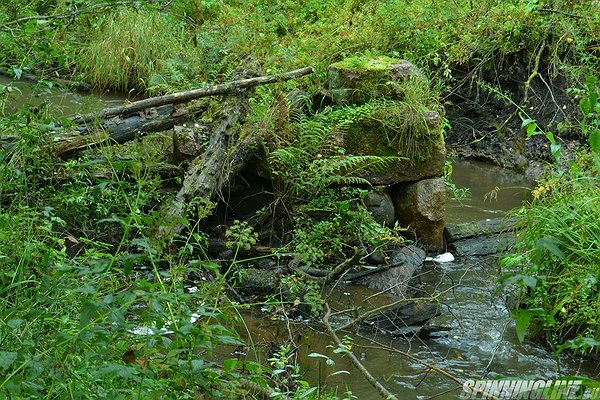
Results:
<point x="208" y="173"/>
<point x="386" y="394"/>
<point x="155" y="114"/>
<point x="184" y="97"/>
<point x="122" y="129"/>
<point x="325" y="275"/>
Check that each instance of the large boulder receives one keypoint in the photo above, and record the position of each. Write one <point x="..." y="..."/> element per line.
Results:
<point x="388" y="114"/>
<point x="357" y="80"/>
<point x="481" y="238"/>
<point x="421" y="206"/>
<point x="412" y="135"/>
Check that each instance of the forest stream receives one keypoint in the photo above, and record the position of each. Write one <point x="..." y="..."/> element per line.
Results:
<point x="480" y="341"/>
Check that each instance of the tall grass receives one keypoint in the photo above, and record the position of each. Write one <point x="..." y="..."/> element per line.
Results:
<point x="129" y="47"/>
<point x="558" y="256"/>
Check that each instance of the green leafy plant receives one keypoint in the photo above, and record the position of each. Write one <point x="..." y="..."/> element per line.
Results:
<point x="590" y="108"/>
<point x="555" y="259"/>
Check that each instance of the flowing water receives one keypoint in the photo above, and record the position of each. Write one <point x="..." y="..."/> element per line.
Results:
<point x="481" y="342"/>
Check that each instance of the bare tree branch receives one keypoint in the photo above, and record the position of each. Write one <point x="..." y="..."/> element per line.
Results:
<point x="183" y="97"/>
<point x="386" y="394"/>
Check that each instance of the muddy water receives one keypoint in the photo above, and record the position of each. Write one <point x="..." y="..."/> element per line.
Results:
<point x="481" y="342"/>
<point x="493" y="191"/>
<point x="60" y="102"/>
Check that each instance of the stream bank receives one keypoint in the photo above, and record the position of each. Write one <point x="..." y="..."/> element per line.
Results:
<point x="478" y="340"/>
<point x="481" y="340"/>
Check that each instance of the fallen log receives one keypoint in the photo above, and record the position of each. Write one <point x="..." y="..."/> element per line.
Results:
<point x="155" y="114"/>
<point x="184" y="97"/>
<point x="224" y="158"/>
<point x="120" y="129"/>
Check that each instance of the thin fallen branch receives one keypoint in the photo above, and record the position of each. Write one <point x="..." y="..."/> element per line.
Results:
<point x="183" y="97"/>
<point x="386" y="394"/>
<point x="381" y="309"/>
<point x="83" y="10"/>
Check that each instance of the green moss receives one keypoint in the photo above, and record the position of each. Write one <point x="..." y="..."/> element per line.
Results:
<point x="366" y="63"/>
<point x="393" y="129"/>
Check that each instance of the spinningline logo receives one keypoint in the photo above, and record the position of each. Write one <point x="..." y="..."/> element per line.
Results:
<point x="563" y="389"/>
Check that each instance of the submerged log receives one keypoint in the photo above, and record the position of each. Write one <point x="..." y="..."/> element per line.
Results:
<point x="75" y="85"/>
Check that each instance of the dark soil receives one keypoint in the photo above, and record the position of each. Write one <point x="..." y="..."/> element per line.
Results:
<point x="486" y="125"/>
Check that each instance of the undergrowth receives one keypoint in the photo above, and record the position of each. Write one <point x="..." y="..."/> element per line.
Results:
<point x="556" y="258"/>
<point x="87" y="307"/>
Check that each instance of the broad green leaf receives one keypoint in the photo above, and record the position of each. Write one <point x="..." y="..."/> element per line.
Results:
<point x="556" y="151"/>
<point x="527" y="122"/>
<point x="230" y="364"/>
<point x="14" y="323"/>
<point x="523" y="319"/>
<point x="594" y="140"/>
<point x="549" y="243"/>
<point x="7" y="358"/>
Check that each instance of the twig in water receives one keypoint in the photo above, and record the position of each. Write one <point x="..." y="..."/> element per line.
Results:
<point x="386" y="394"/>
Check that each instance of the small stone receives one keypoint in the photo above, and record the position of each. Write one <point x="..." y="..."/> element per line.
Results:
<point x="381" y="207"/>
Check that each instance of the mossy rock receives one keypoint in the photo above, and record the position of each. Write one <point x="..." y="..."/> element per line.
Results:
<point x="416" y="139"/>
<point x="357" y="80"/>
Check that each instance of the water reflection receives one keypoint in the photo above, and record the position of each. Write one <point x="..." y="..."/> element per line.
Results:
<point x="59" y="101"/>
<point x="494" y="191"/>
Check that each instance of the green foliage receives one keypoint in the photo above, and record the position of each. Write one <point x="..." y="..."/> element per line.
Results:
<point x="329" y="226"/>
<point x="130" y="47"/>
<point x="532" y="129"/>
<point x="459" y="193"/>
<point x="299" y="291"/>
<point x="85" y="309"/>
<point x="309" y="163"/>
<point x="241" y="236"/>
<point x="556" y="258"/>
<point x="310" y="171"/>
<point x="590" y="108"/>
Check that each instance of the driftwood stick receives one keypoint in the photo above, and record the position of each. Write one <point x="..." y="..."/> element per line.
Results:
<point x="386" y="394"/>
<point x="342" y="267"/>
<point x="183" y="97"/>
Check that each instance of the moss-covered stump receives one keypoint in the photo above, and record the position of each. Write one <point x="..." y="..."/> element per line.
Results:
<point x="421" y="206"/>
<point x="356" y="80"/>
